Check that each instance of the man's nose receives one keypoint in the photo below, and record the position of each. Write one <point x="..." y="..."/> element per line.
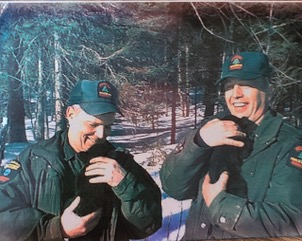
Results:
<point x="99" y="131"/>
<point x="237" y="91"/>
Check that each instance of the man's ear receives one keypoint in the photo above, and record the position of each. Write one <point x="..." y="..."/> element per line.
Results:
<point x="70" y="112"/>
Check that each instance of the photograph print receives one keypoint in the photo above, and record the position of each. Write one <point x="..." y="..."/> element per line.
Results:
<point x="151" y="121"/>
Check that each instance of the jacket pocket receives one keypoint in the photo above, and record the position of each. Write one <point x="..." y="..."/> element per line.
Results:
<point x="48" y="192"/>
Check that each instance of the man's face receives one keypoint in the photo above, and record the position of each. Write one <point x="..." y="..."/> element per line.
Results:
<point x="245" y="101"/>
<point x="86" y="130"/>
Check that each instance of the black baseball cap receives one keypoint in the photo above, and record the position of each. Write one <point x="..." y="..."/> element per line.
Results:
<point x="252" y="67"/>
<point x="95" y="97"/>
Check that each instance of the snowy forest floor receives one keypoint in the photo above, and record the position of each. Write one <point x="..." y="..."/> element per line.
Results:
<point x="149" y="148"/>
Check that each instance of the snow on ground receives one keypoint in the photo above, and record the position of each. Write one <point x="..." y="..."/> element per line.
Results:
<point x="149" y="148"/>
<point x="174" y="212"/>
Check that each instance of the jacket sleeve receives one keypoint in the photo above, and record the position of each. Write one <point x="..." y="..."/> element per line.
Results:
<point x="140" y="201"/>
<point x="278" y="214"/>
<point x="20" y="215"/>
<point x="184" y="167"/>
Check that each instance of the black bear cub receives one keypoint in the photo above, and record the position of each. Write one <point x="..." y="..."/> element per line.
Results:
<point x="229" y="158"/>
<point x="94" y="196"/>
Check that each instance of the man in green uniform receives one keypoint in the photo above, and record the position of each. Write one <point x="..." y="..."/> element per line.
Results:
<point x="37" y="190"/>
<point x="273" y="170"/>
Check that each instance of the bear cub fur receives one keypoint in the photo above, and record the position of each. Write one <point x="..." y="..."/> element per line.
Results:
<point x="229" y="158"/>
<point x="94" y="196"/>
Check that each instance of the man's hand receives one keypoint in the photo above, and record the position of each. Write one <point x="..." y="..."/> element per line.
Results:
<point x="210" y="191"/>
<point x="75" y="226"/>
<point x="220" y="132"/>
<point x="105" y="170"/>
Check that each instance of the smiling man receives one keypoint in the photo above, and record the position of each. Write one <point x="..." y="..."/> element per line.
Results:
<point x="273" y="170"/>
<point x="38" y="189"/>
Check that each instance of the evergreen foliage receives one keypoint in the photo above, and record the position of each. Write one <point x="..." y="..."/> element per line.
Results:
<point x="158" y="54"/>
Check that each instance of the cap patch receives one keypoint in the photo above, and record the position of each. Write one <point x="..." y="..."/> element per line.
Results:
<point x="236" y="63"/>
<point x="296" y="157"/>
<point x="9" y="171"/>
<point x="104" y="90"/>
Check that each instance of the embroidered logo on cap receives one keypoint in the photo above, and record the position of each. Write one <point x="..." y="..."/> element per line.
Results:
<point x="236" y="63"/>
<point x="296" y="157"/>
<point x="9" y="171"/>
<point x="104" y="90"/>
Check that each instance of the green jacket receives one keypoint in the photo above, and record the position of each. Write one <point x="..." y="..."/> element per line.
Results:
<point x="273" y="172"/>
<point x="37" y="187"/>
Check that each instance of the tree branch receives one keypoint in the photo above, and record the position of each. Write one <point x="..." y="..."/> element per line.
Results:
<point x="100" y="58"/>
<point x="208" y="30"/>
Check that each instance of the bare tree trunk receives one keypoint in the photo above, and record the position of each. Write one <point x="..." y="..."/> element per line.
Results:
<point x="195" y="107"/>
<point x="183" y="79"/>
<point x="58" y="85"/>
<point x="40" y="129"/>
<point x="173" y="114"/>
<point x="16" y="111"/>
<point x="179" y="78"/>
<point x="187" y="99"/>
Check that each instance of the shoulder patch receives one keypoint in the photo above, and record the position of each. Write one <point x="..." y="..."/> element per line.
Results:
<point x="9" y="170"/>
<point x="295" y="158"/>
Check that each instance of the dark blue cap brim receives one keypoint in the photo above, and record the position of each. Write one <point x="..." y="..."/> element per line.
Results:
<point x="99" y="108"/>
<point x="239" y="75"/>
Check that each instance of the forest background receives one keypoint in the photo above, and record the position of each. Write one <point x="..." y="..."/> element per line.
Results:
<point x="163" y="56"/>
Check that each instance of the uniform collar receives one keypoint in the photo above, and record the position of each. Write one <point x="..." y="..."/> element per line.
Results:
<point x="69" y="153"/>
<point x="266" y="133"/>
